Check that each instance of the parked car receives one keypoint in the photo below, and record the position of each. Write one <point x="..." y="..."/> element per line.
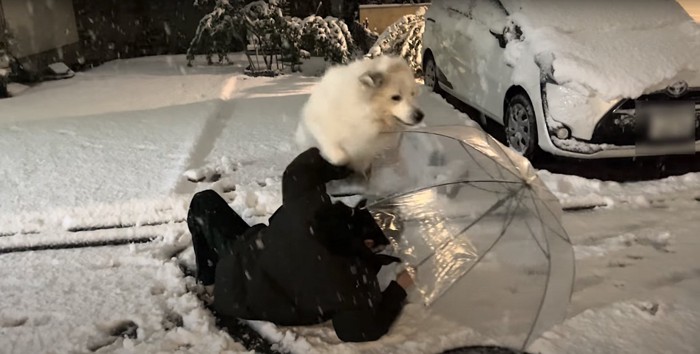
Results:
<point x="583" y="79"/>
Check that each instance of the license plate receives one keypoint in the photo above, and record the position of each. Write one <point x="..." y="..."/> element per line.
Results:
<point x="665" y="127"/>
<point x="672" y="121"/>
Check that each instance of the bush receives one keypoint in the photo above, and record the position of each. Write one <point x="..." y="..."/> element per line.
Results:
<point x="404" y="38"/>
<point x="262" y="23"/>
<point x="327" y="37"/>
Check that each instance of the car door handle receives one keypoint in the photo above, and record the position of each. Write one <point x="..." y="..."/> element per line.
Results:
<point x="430" y="20"/>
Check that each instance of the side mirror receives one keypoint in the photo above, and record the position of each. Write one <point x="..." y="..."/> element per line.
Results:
<point x="500" y="37"/>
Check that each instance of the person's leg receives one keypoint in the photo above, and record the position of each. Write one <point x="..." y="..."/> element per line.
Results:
<point x="214" y="226"/>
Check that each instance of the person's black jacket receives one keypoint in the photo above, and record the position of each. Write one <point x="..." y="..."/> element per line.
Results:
<point x="310" y="265"/>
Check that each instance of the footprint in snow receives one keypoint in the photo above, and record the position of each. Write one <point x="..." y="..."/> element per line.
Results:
<point x="676" y="277"/>
<point x="111" y="332"/>
<point x="211" y="172"/>
<point x="619" y="264"/>
<point x="172" y="320"/>
<point x="66" y="132"/>
<point x="9" y="321"/>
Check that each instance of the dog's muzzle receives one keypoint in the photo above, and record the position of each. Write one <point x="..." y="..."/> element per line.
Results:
<point x="416" y="117"/>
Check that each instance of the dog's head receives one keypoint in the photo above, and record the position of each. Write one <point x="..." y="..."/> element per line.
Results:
<point x="393" y="91"/>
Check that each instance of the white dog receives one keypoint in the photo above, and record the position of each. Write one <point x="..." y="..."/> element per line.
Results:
<point x="353" y="105"/>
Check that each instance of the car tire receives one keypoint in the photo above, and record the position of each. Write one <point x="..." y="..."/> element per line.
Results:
<point x="430" y="73"/>
<point x="520" y="125"/>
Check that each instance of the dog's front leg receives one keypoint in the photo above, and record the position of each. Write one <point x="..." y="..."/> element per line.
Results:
<point x="336" y="155"/>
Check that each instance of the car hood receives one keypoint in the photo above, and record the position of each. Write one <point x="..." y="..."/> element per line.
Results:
<point x="622" y="63"/>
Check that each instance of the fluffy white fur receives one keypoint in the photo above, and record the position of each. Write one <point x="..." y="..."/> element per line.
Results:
<point x="353" y="105"/>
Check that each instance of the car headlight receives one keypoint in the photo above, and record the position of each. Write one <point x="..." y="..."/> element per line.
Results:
<point x="575" y="108"/>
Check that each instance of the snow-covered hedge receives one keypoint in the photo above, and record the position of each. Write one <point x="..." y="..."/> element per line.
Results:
<point x="405" y="38"/>
<point x="262" y="23"/>
<point x="215" y="31"/>
<point x="328" y="37"/>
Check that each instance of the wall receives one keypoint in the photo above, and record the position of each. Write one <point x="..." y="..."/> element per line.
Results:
<point x="692" y="7"/>
<point x="382" y="16"/>
<point x="40" y="25"/>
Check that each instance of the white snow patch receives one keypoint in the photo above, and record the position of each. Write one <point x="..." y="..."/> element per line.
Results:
<point x="70" y="300"/>
<point x="659" y="240"/>
<point x="415" y="331"/>
<point x="573" y="190"/>
<point x="627" y="327"/>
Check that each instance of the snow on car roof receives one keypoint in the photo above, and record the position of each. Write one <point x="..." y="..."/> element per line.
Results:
<point x="577" y="15"/>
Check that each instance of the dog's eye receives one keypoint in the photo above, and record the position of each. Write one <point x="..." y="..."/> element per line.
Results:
<point x="396" y="98"/>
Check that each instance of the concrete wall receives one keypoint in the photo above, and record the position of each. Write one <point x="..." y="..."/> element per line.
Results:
<point x="382" y="16"/>
<point x="40" y="25"/>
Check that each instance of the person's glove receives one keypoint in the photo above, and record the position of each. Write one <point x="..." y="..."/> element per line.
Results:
<point x="366" y="226"/>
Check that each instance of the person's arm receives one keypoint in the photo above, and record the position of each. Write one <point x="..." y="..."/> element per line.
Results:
<point x="371" y="324"/>
<point x="308" y="172"/>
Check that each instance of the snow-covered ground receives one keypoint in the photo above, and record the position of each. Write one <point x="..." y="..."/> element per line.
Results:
<point x="111" y="147"/>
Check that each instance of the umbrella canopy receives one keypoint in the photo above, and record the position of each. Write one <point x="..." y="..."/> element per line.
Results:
<point x="481" y="229"/>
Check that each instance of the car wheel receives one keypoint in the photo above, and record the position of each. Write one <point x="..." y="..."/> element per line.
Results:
<point x="430" y="74"/>
<point x="521" y="126"/>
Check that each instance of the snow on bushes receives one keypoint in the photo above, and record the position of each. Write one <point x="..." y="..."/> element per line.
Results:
<point x="329" y="37"/>
<point x="263" y="24"/>
<point x="215" y="31"/>
<point x="405" y="38"/>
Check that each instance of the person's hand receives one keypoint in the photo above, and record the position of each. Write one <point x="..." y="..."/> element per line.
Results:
<point x="404" y="279"/>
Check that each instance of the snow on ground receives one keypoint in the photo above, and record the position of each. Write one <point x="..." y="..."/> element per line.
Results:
<point x="106" y="157"/>
<point x="112" y="145"/>
<point x="76" y="301"/>
<point x="573" y="190"/>
<point x="637" y="282"/>
<point x="141" y="84"/>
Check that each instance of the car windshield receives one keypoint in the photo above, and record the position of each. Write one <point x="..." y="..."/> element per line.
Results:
<point x="576" y="15"/>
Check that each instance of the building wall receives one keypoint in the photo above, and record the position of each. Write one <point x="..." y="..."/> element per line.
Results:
<point x="40" y="25"/>
<point x="380" y="17"/>
<point x="692" y="7"/>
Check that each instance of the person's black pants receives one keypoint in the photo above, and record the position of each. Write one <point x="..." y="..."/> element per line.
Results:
<point x="214" y="226"/>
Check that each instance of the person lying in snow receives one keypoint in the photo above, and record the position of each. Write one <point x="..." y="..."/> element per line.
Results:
<point x="313" y="263"/>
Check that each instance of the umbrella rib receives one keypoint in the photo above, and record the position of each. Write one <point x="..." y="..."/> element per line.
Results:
<point x="571" y="291"/>
<point x="464" y="147"/>
<point x="539" y="215"/>
<point x="495" y="206"/>
<point x="481" y="257"/>
<point x="532" y="233"/>
<point x="541" y="305"/>
<point x="503" y="151"/>
<point x="403" y="194"/>
<point x="462" y="143"/>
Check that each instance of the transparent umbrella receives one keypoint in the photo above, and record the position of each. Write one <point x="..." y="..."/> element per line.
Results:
<point x="481" y="229"/>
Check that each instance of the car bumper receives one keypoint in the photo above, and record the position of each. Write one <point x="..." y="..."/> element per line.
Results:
<point x="616" y="133"/>
<point x="581" y="150"/>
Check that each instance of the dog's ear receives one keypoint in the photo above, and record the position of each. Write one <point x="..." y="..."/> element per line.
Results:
<point x="372" y="79"/>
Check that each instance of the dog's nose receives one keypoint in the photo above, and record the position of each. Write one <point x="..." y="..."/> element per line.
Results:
<point x="418" y="116"/>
